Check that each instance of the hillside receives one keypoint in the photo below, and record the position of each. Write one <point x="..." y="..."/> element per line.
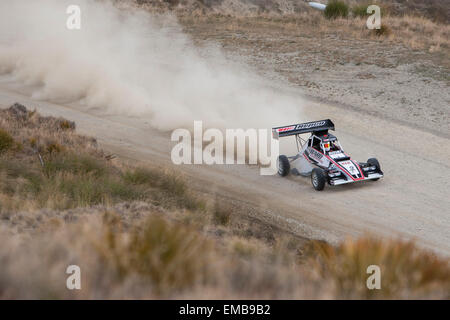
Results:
<point x="436" y="10"/>
<point x="140" y="232"/>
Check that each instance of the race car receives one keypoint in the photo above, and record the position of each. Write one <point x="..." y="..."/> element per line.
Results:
<point x="322" y="157"/>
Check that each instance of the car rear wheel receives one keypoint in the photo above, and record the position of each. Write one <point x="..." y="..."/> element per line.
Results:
<point x="283" y="166"/>
<point x="374" y="162"/>
<point x="318" y="179"/>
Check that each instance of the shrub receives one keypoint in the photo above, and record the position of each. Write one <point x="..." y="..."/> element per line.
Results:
<point x="54" y="147"/>
<point x="360" y="10"/>
<point x="65" y="190"/>
<point x="169" y="256"/>
<point x="169" y="189"/>
<point x="66" y="124"/>
<point x="70" y="180"/>
<point x="141" y="176"/>
<point x="404" y="267"/>
<point x="222" y="213"/>
<point x="336" y="9"/>
<point x="173" y="184"/>
<point x="75" y="164"/>
<point x="383" y="31"/>
<point x="6" y="141"/>
<point x="168" y="182"/>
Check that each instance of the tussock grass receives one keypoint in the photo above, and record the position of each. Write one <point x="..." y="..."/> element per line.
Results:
<point x="173" y="190"/>
<point x="170" y="183"/>
<point x="44" y="135"/>
<point x="73" y="173"/>
<point x="407" y="27"/>
<point x="435" y="10"/>
<point x="140" y="232"/>
<point x="66" y="181"/>
<point x="336" y="9"/>
<point x="134" y="251"/>
<point x="77" y="164"/>
<point x="383" y="31"/>
<point x="6" y="141"/>
<point x="169" y="257"/>
<point x="222" y="212"/>
<point x="360" y="10"/>
<point x="70" y="180"/>
<point x="404" y="268"/>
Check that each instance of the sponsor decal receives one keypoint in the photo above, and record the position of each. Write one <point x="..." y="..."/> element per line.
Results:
<point x="350" y="167"/>
<point x="310" y="125"/>
<point x="301" y="126"/>
<point x="315" y="154"/>
<point x="336" y="154"/>
<point x="286" y="129"/>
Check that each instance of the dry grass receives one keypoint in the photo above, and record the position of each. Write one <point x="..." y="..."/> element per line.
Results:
<point x="58" y="169"/>
<point x="383" y="31"/>
<point x="6" y="141"/>
<point x="138" y="232"/>
<point x="403" y="40"/>
<point x="69" y="180"/>
<point x="435" y="10"/>
<point x="138" y="251"/>
<point x="406" y="271"/>
<point x="336" y="9"/>
<point x="168" y="257"/>
<point x="407" y="27"/>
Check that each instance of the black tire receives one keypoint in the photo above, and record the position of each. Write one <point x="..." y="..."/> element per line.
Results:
<point x="374" y="162"/>
<point x="283" y="166"/>
<point x="318" y="179"/>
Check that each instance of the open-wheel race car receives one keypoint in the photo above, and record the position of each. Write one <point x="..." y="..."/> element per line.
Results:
<point x="321" y="156"/>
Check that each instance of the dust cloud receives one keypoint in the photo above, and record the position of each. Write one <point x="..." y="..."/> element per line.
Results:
<point x="131" y="62"/>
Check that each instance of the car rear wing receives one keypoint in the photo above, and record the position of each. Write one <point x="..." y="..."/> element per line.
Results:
<point x="314" y="126"/>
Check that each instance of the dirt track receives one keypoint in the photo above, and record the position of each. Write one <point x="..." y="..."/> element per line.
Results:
<point x="411" y="201"/>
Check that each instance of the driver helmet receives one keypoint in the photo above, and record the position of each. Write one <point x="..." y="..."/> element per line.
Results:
<point x="326" y="145"/>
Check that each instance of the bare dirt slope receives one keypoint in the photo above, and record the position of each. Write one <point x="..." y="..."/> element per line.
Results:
<point x="332" y="62"/>
<point x="411" y="201"/>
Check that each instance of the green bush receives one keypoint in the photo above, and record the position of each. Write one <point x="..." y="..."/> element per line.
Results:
<point x="75" y="164"/>
<point x="222" y="212"/>
<point x="70" y="180"/>
<point x="168" y="189"/>
<point x="141" y="176"/>
<point x="6" y="141"/>
<point x="168" y="182"/>
<point x="360" y="10"/>
<point x="336" y="9"/>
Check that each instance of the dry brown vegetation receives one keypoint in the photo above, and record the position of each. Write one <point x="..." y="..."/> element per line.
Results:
<point x="414" y="32"/>
<point x="140" y="232"/>
<point x="436" y="10"/>
<point x="415" y="24"/>
<point x="46" y="165"/>
<point x="383" y="72"/>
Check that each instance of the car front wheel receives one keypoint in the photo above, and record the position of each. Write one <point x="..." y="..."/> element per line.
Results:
<point x="374" y="162"/>
<point x="318" y="179"/>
